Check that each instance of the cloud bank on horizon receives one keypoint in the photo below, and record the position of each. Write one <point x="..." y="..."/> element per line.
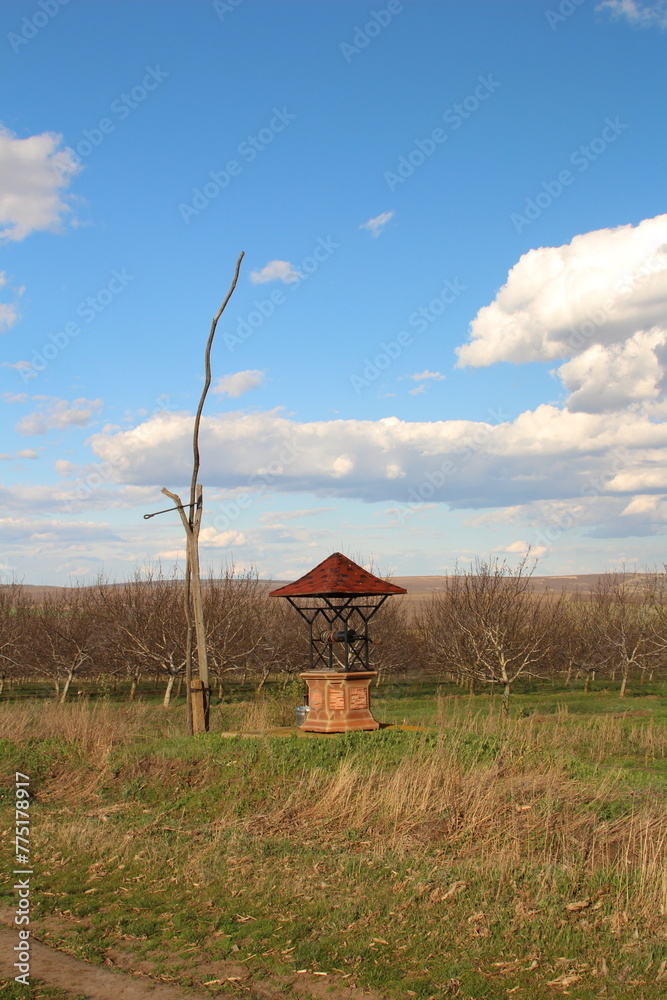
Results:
<point x="600" y="301"/>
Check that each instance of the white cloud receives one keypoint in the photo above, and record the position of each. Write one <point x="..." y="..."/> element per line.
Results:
<point x="210" y="538"/>
<point x="34" y="174"/>
<point x="22" y="453"/>
<point x="64" y="468"/>
<point x="270" y="517"/>
<point x="8" y="316"/>
<point x="522" y="548"/>
<point x="606" y="379"/>
<point x="77" y="495"/>
<point x="58" y="414"/>
<point x="422" y="378"/>
<point x="9" y="312"/>
<point x="601" y="288"/>
<point x="645" y="15"/>
<point x="425" y="375"/>
<point x="239" y="382"/>
<point x="15" y="397"/>
<point x="275" y="270"/>
<point x="21" y="366"/>
<point x="545" y="453"/>
<point x="376" y="225"/>
<point x="45" y="533"/>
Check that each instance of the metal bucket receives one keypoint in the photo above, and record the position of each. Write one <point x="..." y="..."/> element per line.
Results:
<point x="301" y="714"/>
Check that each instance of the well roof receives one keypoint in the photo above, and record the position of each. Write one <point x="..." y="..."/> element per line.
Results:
<point x="337" y="576"/>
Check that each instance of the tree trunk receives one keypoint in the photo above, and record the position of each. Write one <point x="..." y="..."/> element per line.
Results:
<point x="265" y="673"/>
<point x="568" y="676"/>
<point x="180" y="687"/>
<point x="624" y="683"/>
<point x="507" y="690"/>
<point x="56" y="684"/>
<point x="471" y="685"/>
<point x="133" y="686"/>
<point x="63" y="696"/>
<point x="167" y="693"/>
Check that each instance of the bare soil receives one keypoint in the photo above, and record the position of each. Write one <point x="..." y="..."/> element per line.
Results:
<point x="127" y="980"/>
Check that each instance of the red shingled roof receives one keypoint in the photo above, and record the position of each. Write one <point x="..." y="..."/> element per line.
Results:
<point x="337" y="576"/>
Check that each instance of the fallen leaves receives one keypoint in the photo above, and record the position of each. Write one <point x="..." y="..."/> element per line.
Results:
<point x="581" y="905"/>
<point x="566" y="980"/>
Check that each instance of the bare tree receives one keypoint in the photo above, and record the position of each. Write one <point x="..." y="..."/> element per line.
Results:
<point x="144" y="621"/>
<point x="14" y="627"/>
<point x="626" y="612"/>
<point x="64" y="638"/>
<point x="489" y="625"/>
<point x="191" y="521"/>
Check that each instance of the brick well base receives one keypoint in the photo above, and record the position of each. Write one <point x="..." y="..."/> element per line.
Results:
<point x="339" y="702"/>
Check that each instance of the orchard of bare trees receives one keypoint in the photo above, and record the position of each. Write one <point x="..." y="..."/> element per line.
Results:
<point x="486" y="627"/>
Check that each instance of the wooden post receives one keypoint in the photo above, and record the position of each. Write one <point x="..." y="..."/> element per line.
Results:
<point x="192" y="524"/>
<point x="197" y="702"/>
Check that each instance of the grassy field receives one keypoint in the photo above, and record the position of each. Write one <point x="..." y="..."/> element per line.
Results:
<point x="482" y="858"/>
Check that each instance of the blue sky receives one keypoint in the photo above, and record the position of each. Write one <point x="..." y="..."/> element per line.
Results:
<point x="449" y="333"/>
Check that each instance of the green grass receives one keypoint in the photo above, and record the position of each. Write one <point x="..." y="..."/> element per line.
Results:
<point x="36" y="991"/>
<point x="398" y="861"/>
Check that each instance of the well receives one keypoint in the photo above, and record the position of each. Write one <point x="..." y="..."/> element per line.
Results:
<point x="337" y="599"/>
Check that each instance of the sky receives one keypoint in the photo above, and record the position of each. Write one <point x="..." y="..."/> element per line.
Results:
<point x="449" y="335"/>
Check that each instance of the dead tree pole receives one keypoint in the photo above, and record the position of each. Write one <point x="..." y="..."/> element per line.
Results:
<point x="199" y="718"/>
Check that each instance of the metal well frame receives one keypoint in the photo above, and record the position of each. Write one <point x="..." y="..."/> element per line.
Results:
<point x="354" y="653"/>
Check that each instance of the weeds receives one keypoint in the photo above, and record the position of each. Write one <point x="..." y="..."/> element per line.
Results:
<point x="483" y="856"/>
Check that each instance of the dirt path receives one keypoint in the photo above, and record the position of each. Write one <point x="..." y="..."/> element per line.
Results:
<point x="58" y="969"/>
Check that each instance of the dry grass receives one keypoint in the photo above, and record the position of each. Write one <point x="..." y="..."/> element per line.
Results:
<point x="93" y="727"/>
<point x="543" y="824"/>
<point x="522" y="807"/>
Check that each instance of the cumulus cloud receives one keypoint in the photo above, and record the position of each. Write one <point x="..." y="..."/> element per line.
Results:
<point x="238" y="383"/>
<point x="210" y="538"/>
<point x="639" y="15"/>
<point x="275" y="270"/>
<point x="606" y="379"/>
<point x="545" y="453"/>
<point x="376" y="225"/>
<point x="58" y="414"/>
<point x="600" y="288"/>
<point x="34" y="176"/>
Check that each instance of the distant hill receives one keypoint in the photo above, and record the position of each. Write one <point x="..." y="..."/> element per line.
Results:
<point x="416" y="586"/>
